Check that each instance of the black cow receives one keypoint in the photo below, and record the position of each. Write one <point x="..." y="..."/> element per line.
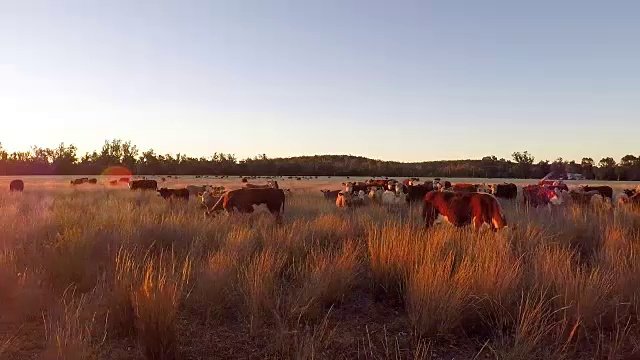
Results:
<point x="16" y="185"/>
<point x="505" y="191"/>
<point x="143" y="185"/>
<point x="330" y="195"/>
<point x="604" y="191"/>
<point x="417" y="192"/>
<point x="176" y="193"/>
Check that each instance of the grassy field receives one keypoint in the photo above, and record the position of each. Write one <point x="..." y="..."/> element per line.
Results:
<point x="111" y="274"/>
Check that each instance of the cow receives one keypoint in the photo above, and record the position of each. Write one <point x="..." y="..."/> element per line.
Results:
<point x="93" y="181"/>
<point x="113" y="182"/>
<point x="330" y="195"/>
<point x="463" y="208"/>
<point x="16" y="185"/>
<point x="346" y="199"/>
<point x="465" y="188"/>
<point x="209" y="199"/>
<point x="581" y="197"/>
<point x="76" y="182"/>
<point x="604" y="191"/>
<point x="124" y="180"/>
<point x="417" y="192"/>
<point x="244" y="180"/>
<point x="375" y="194"/>
<point x="536" y="195"/>
<point x="355" y="187"/>
<point x="505" y="191"/>
<point x="244" y="199"/>
<point x="635" y="199"/>
<point x="556" y="186"/>
<point x="143" y="185"/>
<point x="629" y="192"/>
<point x="271" y="184"/>
<point x="174" y="193"/>
<point x="378" y="182"/>
<point x="196" y="189"/>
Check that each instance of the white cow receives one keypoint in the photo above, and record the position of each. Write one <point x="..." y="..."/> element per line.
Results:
<point x="209" y="199"/>
<point x="195" y="189"/>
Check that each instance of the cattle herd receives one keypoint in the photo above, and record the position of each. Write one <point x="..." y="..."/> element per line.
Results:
<point x="459" y="204"/>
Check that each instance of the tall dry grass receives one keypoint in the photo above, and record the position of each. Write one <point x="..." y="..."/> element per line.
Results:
<point x="156" y="279"/>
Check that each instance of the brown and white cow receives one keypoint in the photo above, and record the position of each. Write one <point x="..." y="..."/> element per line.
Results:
<point x="244" y="199"/>
<point x="463" y="208"/>
<point x="536" y="195"/>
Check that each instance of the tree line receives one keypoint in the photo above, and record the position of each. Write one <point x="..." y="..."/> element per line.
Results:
<point x="65" y="160"/>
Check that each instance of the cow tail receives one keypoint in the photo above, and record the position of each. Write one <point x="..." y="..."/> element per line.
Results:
<point x="284" y="199"/>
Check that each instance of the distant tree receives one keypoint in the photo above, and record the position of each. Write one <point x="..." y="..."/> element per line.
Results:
<point x="588" y="168"/>
<point x="524" y="161"/>
<point x="606" y="169"/>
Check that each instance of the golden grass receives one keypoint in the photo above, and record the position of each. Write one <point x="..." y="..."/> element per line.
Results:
<point x="115" y="274"/>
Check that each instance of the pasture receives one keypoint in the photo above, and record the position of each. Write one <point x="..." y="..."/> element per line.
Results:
<point x="101" y="272"/>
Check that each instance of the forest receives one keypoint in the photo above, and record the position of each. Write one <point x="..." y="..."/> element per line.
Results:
<point x="65" y="160"/>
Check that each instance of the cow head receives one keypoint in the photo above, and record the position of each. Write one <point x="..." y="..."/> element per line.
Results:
<point x="348" y="187"/>
<point x="165" y="193"/>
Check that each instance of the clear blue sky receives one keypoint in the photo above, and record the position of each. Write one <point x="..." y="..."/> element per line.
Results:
<point x="396" y="80"/>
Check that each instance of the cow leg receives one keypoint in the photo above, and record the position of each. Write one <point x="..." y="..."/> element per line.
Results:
<point x="477" y="223"/>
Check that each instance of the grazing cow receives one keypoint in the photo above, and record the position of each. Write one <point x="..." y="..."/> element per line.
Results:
<point x="174" y="193"/>
<point x="462" y="209"/>
<point x="244" y="199"/>
<point x="604" y="191"/>
<point x="16" y="185"/>
<point x="271" y="184"/>
<point x="76" y="182"/>
<point x="124" y="180"/>
<point x="629" y="192"/>
<point x="536" y="195"/>
<point x="505" y="191"/>
<point x="465" y="188"/>
<point x="582" y="198"/>
<point x="330" y="195"/>
<point x="113" y="182"/>
<point x="93" y="181"/>
<point x="143" y="185"/>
